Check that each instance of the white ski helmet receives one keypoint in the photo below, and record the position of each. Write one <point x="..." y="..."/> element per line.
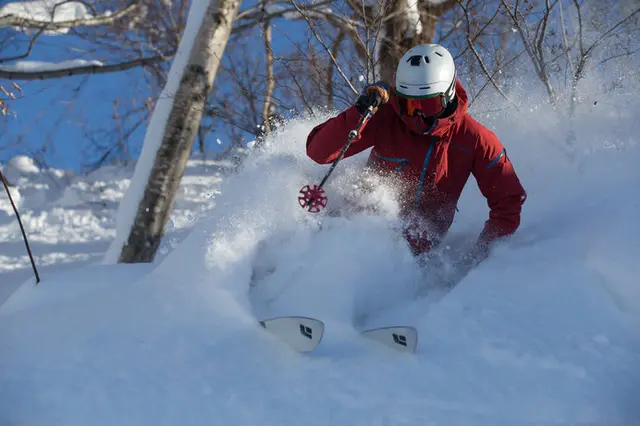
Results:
<point x="425" y="71"/>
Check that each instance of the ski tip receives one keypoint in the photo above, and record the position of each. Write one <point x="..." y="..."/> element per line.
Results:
<point x="400" y="338"/>
<point x="303" y="334"/>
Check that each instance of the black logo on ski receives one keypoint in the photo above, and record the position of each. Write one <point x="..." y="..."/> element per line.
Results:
<point x="306" y="331"/>
<point x="400" y="339"/>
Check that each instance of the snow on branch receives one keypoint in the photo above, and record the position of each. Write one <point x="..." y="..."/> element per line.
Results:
<point x="32" y="70"/>
<point x="37" y="66"/>
<point x="249" y="18"/>
<point x="56" y="16"/>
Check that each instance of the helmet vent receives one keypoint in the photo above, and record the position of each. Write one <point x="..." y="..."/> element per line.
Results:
<point x="426" y="58"/>
<point x="425" y="88"/>
<point x="414" y="60"/>
<point x="403" y="86"/>
<point x="439" y="54"/>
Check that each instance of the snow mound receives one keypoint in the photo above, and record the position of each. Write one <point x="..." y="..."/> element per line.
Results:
<point x="70" y="218"/>
<point x="545" y="331"/>
<point x="23" y="165"/>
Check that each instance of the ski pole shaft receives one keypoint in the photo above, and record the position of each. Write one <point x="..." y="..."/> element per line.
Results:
<point x="313" y="198"/>
<point x="24" y="234"/>
<point x="353" y="135"/>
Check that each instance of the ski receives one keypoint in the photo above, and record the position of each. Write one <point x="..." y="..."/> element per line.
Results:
<point x="401" y="338"/>
<point x="303" y="334"/>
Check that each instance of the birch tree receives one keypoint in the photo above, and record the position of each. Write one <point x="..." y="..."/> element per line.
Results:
<point x="162" y="168"/>
<point x="406" y="23"/>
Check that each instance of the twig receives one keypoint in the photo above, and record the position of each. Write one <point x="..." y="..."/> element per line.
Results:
<point x="488" y="74"/>
<point x="544" y="78"/>
<point x="326" y="48"/>
<point x="335" y="50"/>
<point x="32" y="42"/>
<point x="472" y="47"/>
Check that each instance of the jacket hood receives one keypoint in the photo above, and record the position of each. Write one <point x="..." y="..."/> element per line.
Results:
<point x="442" y="132"/>
<point x="443" y="124"/>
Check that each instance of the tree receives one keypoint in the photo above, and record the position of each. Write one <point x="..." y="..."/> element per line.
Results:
<point x="406" y="23"/>
<point x="179" y="131"/>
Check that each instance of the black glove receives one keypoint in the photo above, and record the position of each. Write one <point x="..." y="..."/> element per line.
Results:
<point x="373" y="95"/>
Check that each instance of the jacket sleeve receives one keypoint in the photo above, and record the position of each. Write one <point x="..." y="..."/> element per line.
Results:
<point x="498" y="182"/>
<point x="326" y="140"/>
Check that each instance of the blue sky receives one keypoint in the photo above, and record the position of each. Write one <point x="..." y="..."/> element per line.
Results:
<point x="53" y="112"/>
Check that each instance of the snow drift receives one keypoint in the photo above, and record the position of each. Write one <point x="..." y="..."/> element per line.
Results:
<point x="545" y="331"/>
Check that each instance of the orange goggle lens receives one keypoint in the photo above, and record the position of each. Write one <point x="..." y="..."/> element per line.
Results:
<point x="429" y="106"/>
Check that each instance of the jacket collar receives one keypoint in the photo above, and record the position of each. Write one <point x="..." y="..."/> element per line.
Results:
<point x="443" y="124"/>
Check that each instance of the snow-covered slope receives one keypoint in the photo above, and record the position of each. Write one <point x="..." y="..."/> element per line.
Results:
<point x="70" y="219"/>
<point x="544" y="332"/>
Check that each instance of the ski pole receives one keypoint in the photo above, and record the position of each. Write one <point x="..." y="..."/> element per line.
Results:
<point x="313" y="198"/>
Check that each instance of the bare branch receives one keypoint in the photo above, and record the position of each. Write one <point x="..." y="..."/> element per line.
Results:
<point x="498" y="70"/>
<point x="565" y="41"/>
<point x="488" y="74"/>
<point x="89" y="69"/>
<point x="361" y="8"/>
<point x="610" y="30"/>
<point x="326" y="48"/>
<point x="479" y="32"/>
<point x="299" y="86"/>
<point x="32" y="42"/>
<point x="619" y="55"/>
<point x="473" y="49"/>
<point x="258" y="14"/>
<point x="335" y="51"/>
<point x="12" y="20"/>
<point x="539" y="67"/>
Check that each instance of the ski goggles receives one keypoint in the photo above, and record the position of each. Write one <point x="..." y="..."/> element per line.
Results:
<point x="427" y="106"/>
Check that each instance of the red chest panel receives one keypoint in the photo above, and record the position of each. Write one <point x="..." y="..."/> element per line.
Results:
<point x="415" y="162"/>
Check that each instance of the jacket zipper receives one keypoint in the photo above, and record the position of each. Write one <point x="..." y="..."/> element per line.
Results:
<point x="424" y="171"/>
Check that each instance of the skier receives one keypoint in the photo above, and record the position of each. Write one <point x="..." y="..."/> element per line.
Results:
<point x="424" y="139"/>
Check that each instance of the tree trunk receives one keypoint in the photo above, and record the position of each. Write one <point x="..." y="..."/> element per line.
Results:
<point x="267" y="107"/>
<point x="180" y="132"/>
<point x="406" y="28"/>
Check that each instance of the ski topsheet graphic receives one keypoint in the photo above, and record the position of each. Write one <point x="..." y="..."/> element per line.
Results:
<point x="400" y="338"/>
<point x="301" y="333"/>
<point x="304" y="334"/>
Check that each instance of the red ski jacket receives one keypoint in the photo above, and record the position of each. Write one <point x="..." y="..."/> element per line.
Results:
<point x="431" y="169"/>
